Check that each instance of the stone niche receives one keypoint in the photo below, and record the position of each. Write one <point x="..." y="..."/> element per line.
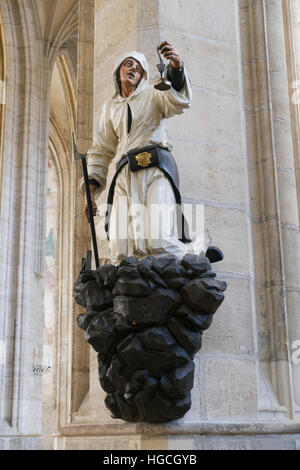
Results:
<point x="145" y="319"/>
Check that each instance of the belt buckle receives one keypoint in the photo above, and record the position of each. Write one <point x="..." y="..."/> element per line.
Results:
<point x="143" y="159"/>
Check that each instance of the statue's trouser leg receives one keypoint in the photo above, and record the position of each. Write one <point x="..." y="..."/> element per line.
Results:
<point x="143" y="218"/>
<point x="162" y="218"/>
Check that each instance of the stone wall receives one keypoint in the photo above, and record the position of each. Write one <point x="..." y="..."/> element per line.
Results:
<point x="237" y="151"/>
<point x="272" y="161"/>
<point x="209" y="146"/>
<point x="22" y="225"/>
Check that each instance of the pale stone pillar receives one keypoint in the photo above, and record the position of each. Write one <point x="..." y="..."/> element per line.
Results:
<point x="272" y="149"/>
<point x="265" y="212"/>
<point x="22" y="230"/>
<point x="2" y="94"/>
<point x="291" y="20"/>
<point x="287" y="207"/>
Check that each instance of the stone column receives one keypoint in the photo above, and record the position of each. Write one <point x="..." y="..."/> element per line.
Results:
<point x="22" y="232"/>
<point x="2" y="93"/>
<point x="84" y="135"/>
<point x="291" y="20"/>
<point x="267" y="65"/>
<point x="209" y="146"/>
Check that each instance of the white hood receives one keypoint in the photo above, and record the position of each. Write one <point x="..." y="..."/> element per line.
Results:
<point x="142" y="60"/>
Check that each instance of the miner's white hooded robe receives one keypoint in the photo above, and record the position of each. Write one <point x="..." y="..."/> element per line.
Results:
<point x="149" y="109"/>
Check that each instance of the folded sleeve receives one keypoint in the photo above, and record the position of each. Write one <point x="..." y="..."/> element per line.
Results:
<point x="172" y="101"/>
<point x="176" y="77"/>
<point x="102" y="152"/>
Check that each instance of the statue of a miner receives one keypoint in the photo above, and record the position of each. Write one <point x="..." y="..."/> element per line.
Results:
<point x="147" y="308"/>
<point x="131" y="132"/>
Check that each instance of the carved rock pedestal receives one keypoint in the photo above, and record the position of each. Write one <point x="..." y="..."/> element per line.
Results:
<point x="145" y="319"/>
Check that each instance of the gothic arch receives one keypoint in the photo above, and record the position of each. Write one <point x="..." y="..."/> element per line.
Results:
<point x="72" y="242"/>
<point x="23" y="207"/>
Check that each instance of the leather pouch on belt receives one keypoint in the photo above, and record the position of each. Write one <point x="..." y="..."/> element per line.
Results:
<point x="143" y="158"/>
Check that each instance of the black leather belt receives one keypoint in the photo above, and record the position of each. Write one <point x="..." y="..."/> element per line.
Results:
<point x="140" y="159"/>
<point x="161" y="158"/>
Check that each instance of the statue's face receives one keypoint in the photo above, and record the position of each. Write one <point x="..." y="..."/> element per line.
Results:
<point x="131" y="72"/>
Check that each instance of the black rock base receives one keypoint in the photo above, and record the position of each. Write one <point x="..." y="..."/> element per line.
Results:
<point x="145" y="319"/>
